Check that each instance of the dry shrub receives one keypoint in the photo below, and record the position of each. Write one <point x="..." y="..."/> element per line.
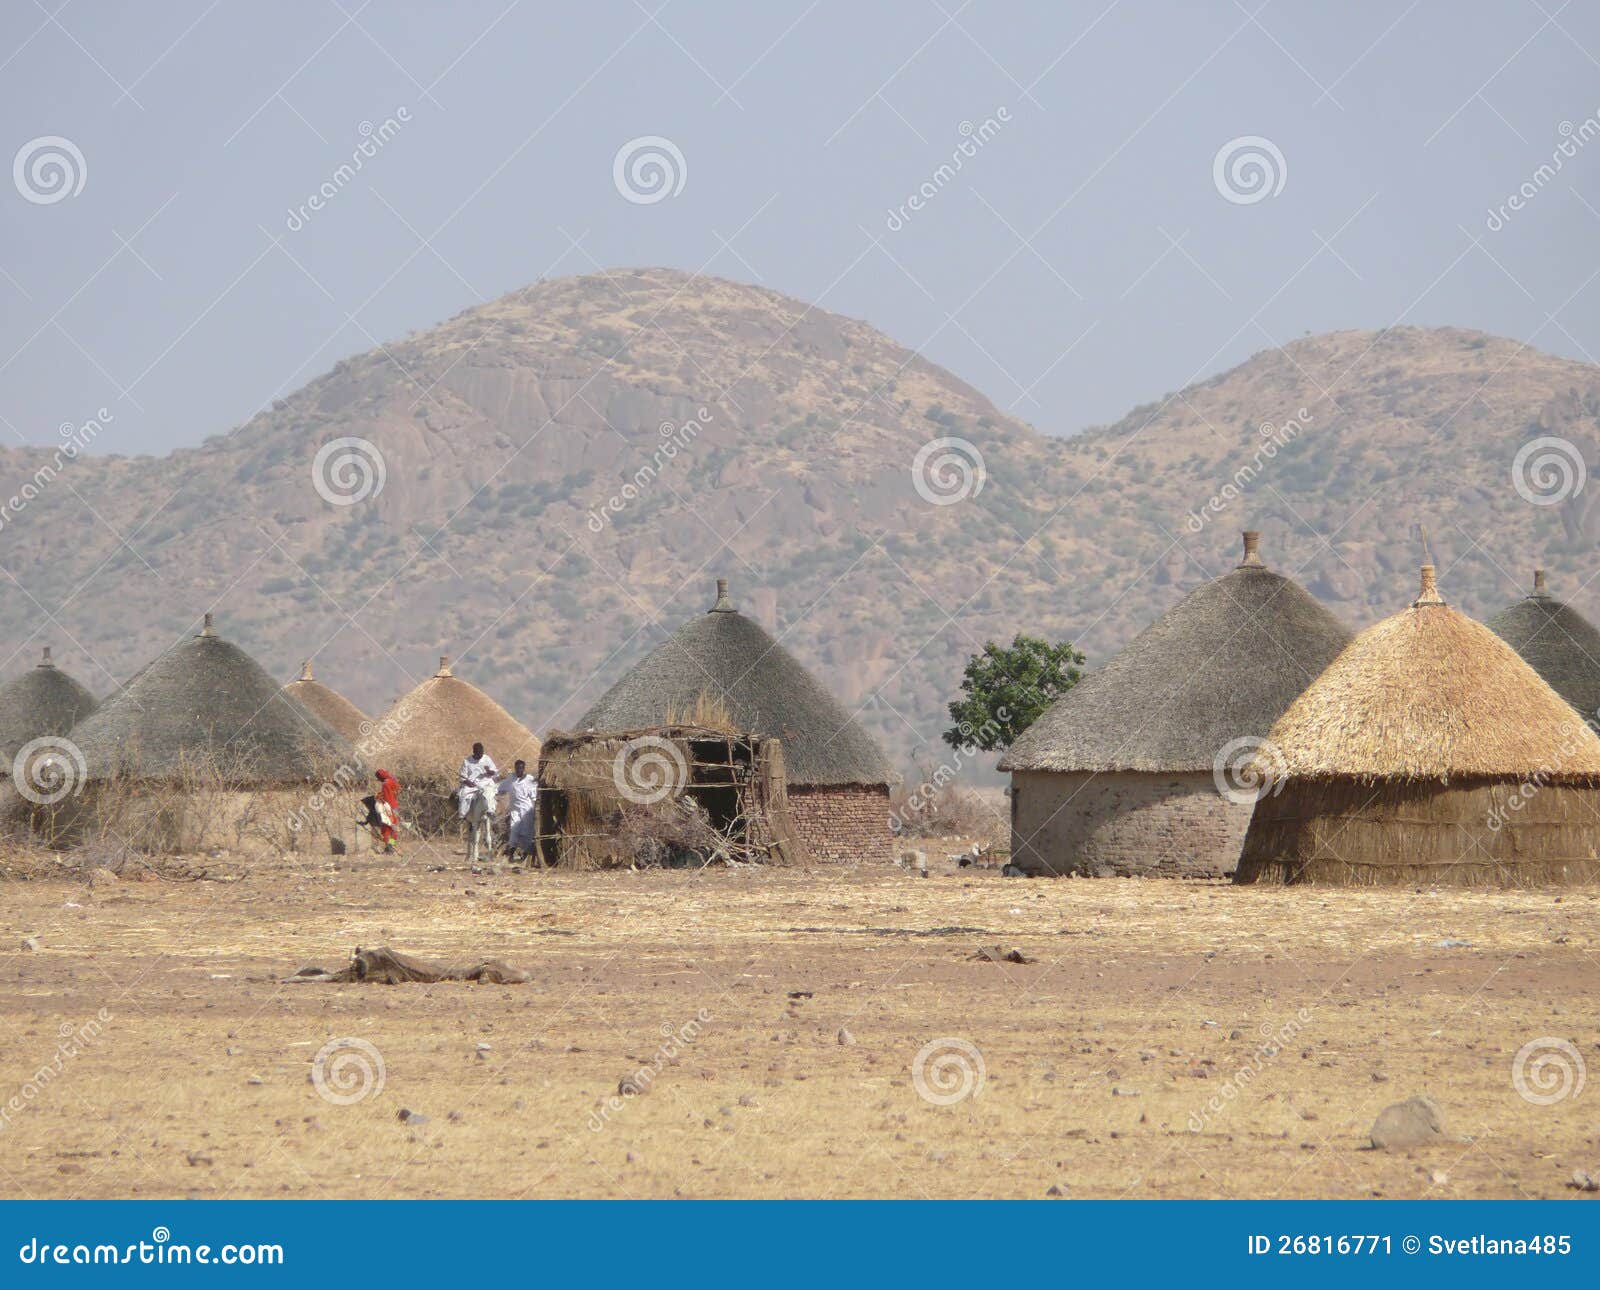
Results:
<point x="929" y="805"/>
<point x="707" y="711"/>
<point x="668" y="835"/>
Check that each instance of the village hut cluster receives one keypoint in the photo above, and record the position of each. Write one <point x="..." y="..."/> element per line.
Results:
<point x="718" y="747"/>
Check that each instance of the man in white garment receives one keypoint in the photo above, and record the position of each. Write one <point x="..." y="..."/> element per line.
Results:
<point x="522" y="813"/>
<point x="475" y="799"/>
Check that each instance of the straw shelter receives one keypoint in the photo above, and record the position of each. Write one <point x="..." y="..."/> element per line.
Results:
<point x="1429" y="752"/>
<point x="202" y="749"/>
<point x="334" y="709"/>
<point x="1127" y="772"/>
<point x="423" y="738"/>
<point x="838" y="778"/>
<point x="43" y="703"/>
<point x="676" y="795"/>
<point x="1558" y="642"/>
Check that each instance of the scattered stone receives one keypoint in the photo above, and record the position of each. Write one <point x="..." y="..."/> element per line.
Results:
<point x="234" y="1050"/>
<point x="29" y="944"/>
<point x="195" y="1159"/>
<point x="1438" y="1178"/>
<point x="407" y="1116"/>
<point x="1378" y="1077"/>
<point x="1584" y="1181"/>
<point x="631" y="1158"/>
<point x="800" y="994"/>
<point x="1450" y="943"/>
<point x="1121" y="1090"/>
<point x="845" y="1037"/>
<point x="255" y="1079"/>
<point x="102" y="878"/>
<point x="1416" y="1122"/>
<point x="994" y="954"/>
<point x="1011" y="871"/>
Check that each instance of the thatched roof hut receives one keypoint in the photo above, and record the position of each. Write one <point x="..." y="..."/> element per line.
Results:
<point x="206" y="708"/>
<point x="1117" y="777"/>
<point x="838" y="777"/>
<point x="43" y="701"/>
<point x="1558" y="642"/>
<point x="427" y="732"/>
<point x="1430" y="752"/>
<point x="328" y="704"/>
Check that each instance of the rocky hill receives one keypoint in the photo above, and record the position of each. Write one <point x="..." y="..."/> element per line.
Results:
<point x="565" y="470"/>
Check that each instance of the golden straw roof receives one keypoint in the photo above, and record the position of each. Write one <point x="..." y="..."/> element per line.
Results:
<point x="425" y="734"/>
<point x="1431" y="694"/>
<point x="328" y="704"/>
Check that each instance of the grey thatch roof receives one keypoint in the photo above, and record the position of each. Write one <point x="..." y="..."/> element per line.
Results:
<point x="724" y="658"/>
<point x="44" y="700"/>
<point x="1558" y="642"/>
<point x="1221" y="664"/>
<point x="206" y="705"/>
<point x="328" y="704"/>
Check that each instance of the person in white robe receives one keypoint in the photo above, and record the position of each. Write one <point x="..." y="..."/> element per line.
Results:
<point x="521" y="791"/>
<point x="478" y="774"/>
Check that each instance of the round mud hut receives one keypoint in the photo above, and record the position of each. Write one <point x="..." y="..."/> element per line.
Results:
<point x="336" y="710"/>
<point x="721" y="669"/>
<point x="1429" y="753"/>
<point x="1558" y="642"/>
<point x="423" y="738"/>
<point x="203" y="749"/>
<point x="1130" y="772"/>
<point x="43" y="703"/>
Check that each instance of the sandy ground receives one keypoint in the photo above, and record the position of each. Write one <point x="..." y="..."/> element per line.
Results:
<point x="1167" y="1039"/>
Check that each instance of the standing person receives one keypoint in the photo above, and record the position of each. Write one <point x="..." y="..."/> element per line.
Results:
<point x="389" y="805"/>
<point x="522" y="812"/>
<point x="475" y="798"/>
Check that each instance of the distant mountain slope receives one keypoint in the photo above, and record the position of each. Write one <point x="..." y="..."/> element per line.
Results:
<point x="515" y="531"/>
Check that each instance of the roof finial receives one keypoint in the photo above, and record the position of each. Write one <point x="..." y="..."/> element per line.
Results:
<point x="723" y="605"/>
<point x="305" y="671"/>
<point x="206" y="629"/>
<point x="44" y="661"/>
<point x="1252" y="550"/>
<point x="1429" y="595"/>
<point x="444" y="666"/>
<point x="1538" y="582"/>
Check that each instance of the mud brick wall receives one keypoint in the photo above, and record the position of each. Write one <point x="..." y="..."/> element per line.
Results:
<point x="1125" y="823"/>
<point x="843" y="824"/>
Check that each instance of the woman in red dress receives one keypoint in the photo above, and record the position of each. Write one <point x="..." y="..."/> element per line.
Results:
<point x="389" y="795"/>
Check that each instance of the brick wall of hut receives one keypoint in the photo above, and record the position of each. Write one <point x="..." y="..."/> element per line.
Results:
<point x="843" y="823"/>
<point x="1124" y="824"/>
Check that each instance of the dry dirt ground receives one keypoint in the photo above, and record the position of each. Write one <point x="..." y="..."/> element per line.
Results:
<point x="1166" y="1039"/>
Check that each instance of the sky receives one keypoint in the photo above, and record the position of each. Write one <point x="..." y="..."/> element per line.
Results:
<point x="1077" y="208"/>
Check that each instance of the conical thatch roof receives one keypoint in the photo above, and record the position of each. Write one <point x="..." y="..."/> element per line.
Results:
<point x="207" y="707"/>
<point x="328" y="704"/>
<point x="1429" y="694"/>
<point x="724" y="660"/>
<point x="424" y="736"/>
<point x="1558" y="642"/>
<point x="44" y="700"/>
<point x="1222" y="663"/>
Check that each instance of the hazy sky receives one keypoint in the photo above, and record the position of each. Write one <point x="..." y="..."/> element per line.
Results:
<point x="1082" y="259"/>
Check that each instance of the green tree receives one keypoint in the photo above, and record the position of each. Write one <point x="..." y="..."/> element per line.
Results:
<point x="1005" y="688"/>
